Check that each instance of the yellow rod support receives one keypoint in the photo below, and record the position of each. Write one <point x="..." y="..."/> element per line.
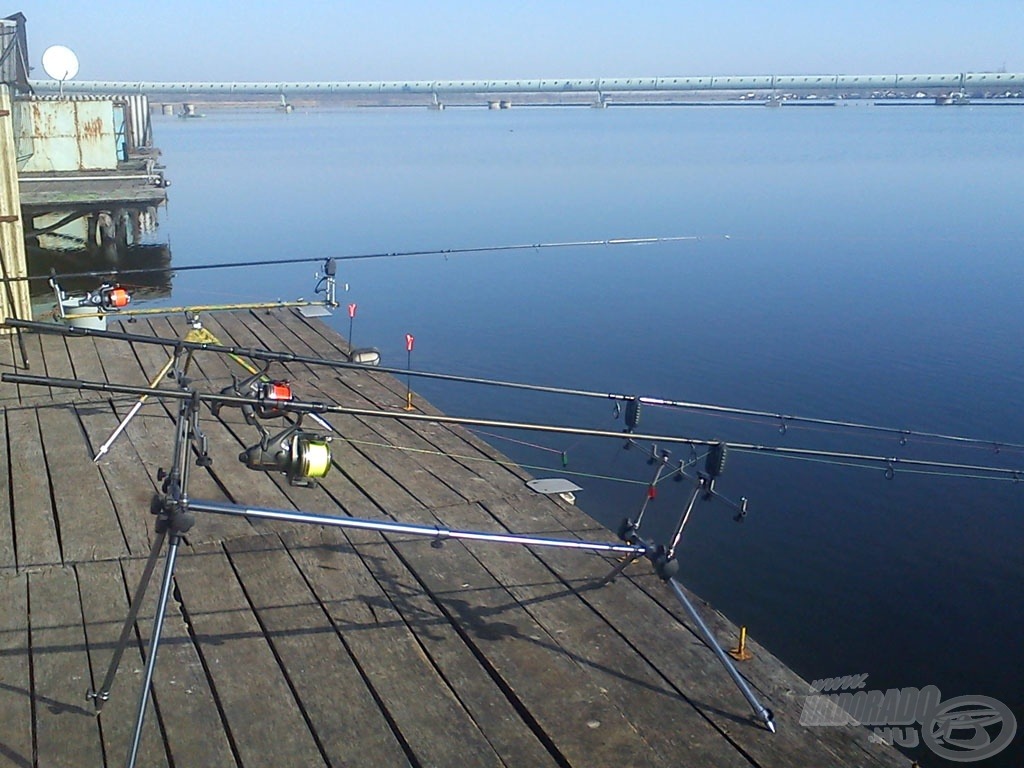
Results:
<point x="135" y="409"/>
<point x="740" y="652"/>
<point x="199" y="308"/>
<point x="408" y="401"/>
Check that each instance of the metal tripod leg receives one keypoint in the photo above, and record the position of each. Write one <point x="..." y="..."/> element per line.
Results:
<point x="103" y="694"/>
<point x="624" y="562"/>
<point x="154" y="644"/>
<point x="759" y="709"/>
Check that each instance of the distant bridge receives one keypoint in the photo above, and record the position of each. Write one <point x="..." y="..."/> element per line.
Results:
<point x="995" y="82"/>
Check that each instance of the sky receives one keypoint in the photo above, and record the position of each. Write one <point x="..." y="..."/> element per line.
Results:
<point x="170" y="40"/>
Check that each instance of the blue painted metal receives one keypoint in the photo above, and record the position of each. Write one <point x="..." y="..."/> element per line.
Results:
<point x="997" y="81"/>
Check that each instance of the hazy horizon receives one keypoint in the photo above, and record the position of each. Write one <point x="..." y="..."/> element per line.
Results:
<point x="394" y="40"/>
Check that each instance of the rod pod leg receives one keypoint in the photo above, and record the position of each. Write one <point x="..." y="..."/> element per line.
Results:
<point x="101" y="695"/>
<point x="154" y="644"/>
<point x="759" y="709"/>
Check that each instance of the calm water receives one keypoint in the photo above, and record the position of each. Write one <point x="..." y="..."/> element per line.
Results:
<point x="872" y="272"/>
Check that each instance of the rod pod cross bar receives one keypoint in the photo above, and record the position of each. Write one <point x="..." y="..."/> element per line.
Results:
<point x="632" y="402"/>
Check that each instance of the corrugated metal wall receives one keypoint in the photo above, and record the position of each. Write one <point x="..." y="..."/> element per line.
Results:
<point x="68" y="135"/>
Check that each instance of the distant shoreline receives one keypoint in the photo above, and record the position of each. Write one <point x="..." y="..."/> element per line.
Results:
<point x="482" y="101"/>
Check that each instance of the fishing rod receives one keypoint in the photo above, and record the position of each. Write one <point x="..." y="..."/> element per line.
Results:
<point x="310" y="407"/>
<point x="363" y="256"/>
<point x="111" y="298"/>
<point x="632" y="402"/>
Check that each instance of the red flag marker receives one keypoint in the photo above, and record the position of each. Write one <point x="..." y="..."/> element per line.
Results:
<point x="409" y="341"/>
<point x="351" y="320"/>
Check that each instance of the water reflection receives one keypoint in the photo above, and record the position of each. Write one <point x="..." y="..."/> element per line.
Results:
<point x="110" y="257"/>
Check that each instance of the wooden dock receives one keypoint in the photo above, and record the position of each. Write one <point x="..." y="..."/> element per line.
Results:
<point x="295" y="645"/>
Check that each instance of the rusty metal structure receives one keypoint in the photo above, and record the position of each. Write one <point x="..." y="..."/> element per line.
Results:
<point x="14" y="66"/>
<point x="87" y="170"/>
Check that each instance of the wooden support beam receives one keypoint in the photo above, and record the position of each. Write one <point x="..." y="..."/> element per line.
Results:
<point x="14" y="298"/>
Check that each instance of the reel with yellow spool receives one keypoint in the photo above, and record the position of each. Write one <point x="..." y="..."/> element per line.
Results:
<point x="301" y="456"/>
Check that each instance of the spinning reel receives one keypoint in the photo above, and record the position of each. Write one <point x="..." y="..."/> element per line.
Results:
<point x="303" y="456"/>
<point x="108" y="297"/>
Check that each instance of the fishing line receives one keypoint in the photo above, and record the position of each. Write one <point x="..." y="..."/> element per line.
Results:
<point x="1014" y="478"/>
<point x="380" y="255"/>
<point x="518" y="442"/>
<point x="497" y="462"/>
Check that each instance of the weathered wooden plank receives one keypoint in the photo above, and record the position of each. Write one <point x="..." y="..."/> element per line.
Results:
<point x="407" y="444"/>
<point x="245" y="329"/>
<point x="427" y="712"/>
<point x="7" y="554"/>
<point x="580" y="719"/>
<point x="29" y="393"/>
<point x="53" y="352"/>
<point x="346" y="719"/>
<point x="189" y="713"/>
<point x="35" y="527"/>
<point x="15" y="685"/>
<point x="248" y="681"/>
<point x="676" y="650"/>
<point x="90" y="529"/>
<point x="151" y="357"/>
<point x="85" y="359"/>
<point x="104" y="607"/>
<point x="10" y="394"/>
<point x="213" y="369"/>
<point x="491" y="708"/>
<point x="671" y="726"/>
<point x="67" y="733"/>
<point x="369" y="434"/>
<point x="124" y="476"/>
<point x="315" y="333"/>
<point x="403" y="469"/>
<point x="493" y="711"/>
<point x="770" y="676"/>
<point x="409" y="510"/>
